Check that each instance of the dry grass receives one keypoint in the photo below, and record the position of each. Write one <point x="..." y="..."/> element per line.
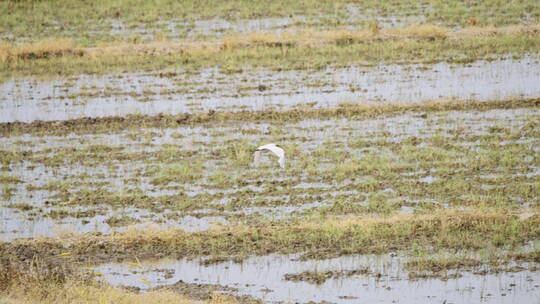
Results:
<point x="74" y="293"/>
<point x="235" y="41"/>
<point x="343" y="36"/>
<point x="422" y="31"/>
<point x="39" y="49"/>
<point x="478" y="32"/>
<point x="81" y="294"/>
<point x="46" y="283"/>
<point x="306" y="38"/>
<point x="469" y="229"/>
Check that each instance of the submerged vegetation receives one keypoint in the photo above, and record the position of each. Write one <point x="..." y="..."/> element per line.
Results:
<point x="442" y="187"/>
<point x="129" y="19"/>
<point x="459" y="176"/>
<point x="375" y="175"/>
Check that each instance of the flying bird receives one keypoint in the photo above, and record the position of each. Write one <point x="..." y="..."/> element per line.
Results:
<point x="280" y="153"/>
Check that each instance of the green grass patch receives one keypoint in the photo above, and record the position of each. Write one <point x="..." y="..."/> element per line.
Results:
<point x="90" y="23"/>
<point x="182" y="172"/>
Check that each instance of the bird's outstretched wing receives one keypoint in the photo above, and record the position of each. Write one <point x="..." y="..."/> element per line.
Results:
<point x="279" y="152"/>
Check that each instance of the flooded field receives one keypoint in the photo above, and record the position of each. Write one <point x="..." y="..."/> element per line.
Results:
<point x="189" y="177"/>
<point x="90" y="192"/>
<point x="218" y="27"/>
<point x="411" y="134"/>
<point x="371" y="279"/>
<point x="178" y="29"/>
<point x="184" y="20"/>
<point x="176" y="92"/>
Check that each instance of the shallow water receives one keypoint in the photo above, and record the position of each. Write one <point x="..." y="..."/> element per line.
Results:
<point x="180" y="29"/>
<point x="218" y="27"/>
<point x="267" y="195"/>
<point x="211" y="89"/>
<point x="263" y="278"/>
<point x="15" y="223"/>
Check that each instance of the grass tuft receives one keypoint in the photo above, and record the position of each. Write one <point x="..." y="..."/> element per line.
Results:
<point x="181" y="172"/>
<point x="39" y="49"/>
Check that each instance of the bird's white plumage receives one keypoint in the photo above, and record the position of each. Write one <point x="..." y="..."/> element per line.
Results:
<point x="280" y="153"/>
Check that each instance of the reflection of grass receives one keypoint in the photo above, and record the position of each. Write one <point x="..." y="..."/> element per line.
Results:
<point x="314" y="277"/>
<point x="441" y="263"/>
<point x="319" y="277"/>
<point x="424" y="264"/>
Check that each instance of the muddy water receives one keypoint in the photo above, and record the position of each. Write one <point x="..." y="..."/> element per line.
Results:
<point x="211" y="89"/>
<point x="263" y="278"/>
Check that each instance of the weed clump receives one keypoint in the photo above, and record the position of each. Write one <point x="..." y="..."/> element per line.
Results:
<point x="183" y="172"/>
<point x="9" y="179"/>
<point x="320" y="277"/>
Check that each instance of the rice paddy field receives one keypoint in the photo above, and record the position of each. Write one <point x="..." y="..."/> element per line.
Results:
<point x="411" y="131"/>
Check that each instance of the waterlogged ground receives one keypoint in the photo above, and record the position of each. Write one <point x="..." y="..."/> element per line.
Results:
<point x="348" y="279"/>
<point x="194" y="176"/>
<point x="128" y="131"/>
<point x="181" y="30"/>
<point x="218" y="27"/>
<point x="184" y="20"/>
<point x="175" y="91"/>
<point x="199" y="178"/>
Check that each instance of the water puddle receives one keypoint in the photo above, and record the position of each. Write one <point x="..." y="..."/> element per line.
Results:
<point x="384" y="281"/>
<point x="211" y="89"/>
<point x="15" y="223"/>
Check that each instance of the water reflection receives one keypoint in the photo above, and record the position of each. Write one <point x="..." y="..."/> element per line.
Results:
<point x="211" y="89"/>
<point x="263" y="277"/>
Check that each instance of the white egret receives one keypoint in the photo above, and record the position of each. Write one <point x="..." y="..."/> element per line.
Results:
<point x="280" y="153"/>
